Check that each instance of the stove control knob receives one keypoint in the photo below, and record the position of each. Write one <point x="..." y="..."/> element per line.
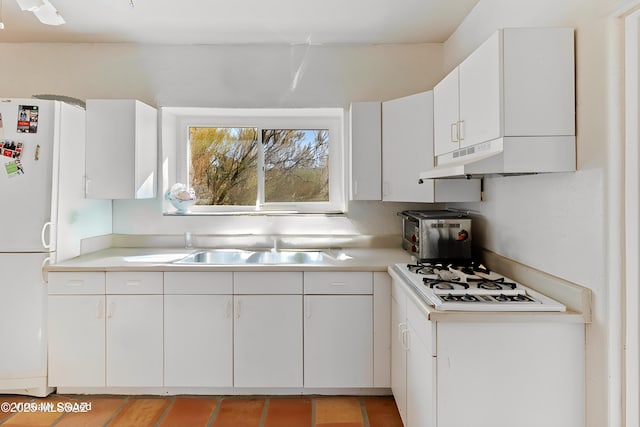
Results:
<point x="463" y="235"/>
<point x="414" y="238"/>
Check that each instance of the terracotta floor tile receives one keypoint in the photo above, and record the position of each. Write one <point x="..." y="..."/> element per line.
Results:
<point x="101" y="411"/>
<point x="340" y="425"/>
<point x="197" y="411"/>
<point x="382" y="412"/>
<point x="239" y="413"/>
<point x="41" y="417"/>
<point x="191" y="412"/>
<point x="338" y="410"/>
<point x="140" y="413"/>
<point x="5" y="414"/>
<point x="285" y="412"/>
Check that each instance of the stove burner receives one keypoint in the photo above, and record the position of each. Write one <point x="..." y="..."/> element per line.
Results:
<point x="421" y="268"/>
<point x="514" y="298"/>
<point x="444" y="284"/>
<point x="493" y="284"/>
<point x="459" y="298"/>
<point x="490" y="286"/>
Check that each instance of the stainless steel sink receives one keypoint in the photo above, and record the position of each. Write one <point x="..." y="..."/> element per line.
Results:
<point x="240" y="257"/>
<point x="286" y="257"/>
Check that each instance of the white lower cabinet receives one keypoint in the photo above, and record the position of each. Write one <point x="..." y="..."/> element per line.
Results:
<point x="97" y="339"/>
<point x="198" y="340"/>
<point x="421" y="370"/>
<point x="413" y="365"/>
<point x="219" y="329"/>
<point x="76" y="329"/>
<point x="338" y="329"/>
<point x="484" y="373"/>
<point x="198" y="329"/>
<point x="76" y="354"/>
<point x="399" y="332"/>
<point x="134" y="340"/>
<point x="338" y="341"/>
<point x="267" y="341"/>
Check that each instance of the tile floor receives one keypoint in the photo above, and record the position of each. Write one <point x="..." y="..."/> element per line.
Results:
<point x="194" y="411"/>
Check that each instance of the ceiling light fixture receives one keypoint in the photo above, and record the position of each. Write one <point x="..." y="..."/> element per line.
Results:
<point x="44" y="11"/>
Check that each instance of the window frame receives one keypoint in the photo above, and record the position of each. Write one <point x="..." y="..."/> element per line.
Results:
<point x="331" y="119"/>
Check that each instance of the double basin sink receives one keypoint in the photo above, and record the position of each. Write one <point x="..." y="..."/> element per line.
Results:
<point x="243" y="257"/>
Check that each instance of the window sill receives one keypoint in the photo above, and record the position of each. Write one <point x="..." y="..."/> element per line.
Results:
<point x="256" y="213"/>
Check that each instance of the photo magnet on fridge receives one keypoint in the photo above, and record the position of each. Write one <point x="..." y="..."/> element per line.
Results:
<point x="14" y="168"/>
<point x="27" y="118"/>
<point x="11" y="149"/>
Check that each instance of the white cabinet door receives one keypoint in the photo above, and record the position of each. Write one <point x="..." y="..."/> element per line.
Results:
<point x="366" y="162"/>
<point x="338" y="341"/>
<point x="446" y="114"/>
<point x="421" y="386"/>
<point x="480" y="77"/>
<point x="398" y="351"/>
<point x="76" y="340"/>
<point x="407" y="148"/>
<point x="268" y="341"/>
<point x="535" y="370"/>
<point x="198" y="340"/>
<point x="121" y="155"/>
<point x="134" y="340"/>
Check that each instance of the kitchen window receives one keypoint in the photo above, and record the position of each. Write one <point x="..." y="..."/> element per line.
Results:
<point x="263" y="160"/>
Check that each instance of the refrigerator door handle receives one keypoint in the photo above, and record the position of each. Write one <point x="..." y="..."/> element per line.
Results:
<point x="43" y="274"/>
<point x="45" y="227"/>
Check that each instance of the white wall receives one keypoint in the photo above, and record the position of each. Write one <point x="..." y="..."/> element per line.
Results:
<point x="228" y="76"/>
<point x="556" y="222"/>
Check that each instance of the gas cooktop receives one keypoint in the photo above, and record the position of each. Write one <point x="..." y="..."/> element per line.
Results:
<point x="472" y="287"/>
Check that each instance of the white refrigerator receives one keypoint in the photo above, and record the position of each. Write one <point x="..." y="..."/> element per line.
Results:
<point x="43" y="218"/>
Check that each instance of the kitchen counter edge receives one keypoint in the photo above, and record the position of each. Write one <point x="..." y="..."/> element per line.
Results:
<point x="124" y="259"/>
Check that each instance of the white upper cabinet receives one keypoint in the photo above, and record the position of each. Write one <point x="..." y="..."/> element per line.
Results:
<point x="407" y="149"/>
<point x="366" y="160"/>
<point x="121" y="154"/>
<point x="446" y="114"/>
<point x="387" y="168"/>
<point x="517" y="84"/>
<point x="479" y="85"/>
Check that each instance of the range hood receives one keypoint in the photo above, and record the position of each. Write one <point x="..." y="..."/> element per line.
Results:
<point x="507" y="156"/>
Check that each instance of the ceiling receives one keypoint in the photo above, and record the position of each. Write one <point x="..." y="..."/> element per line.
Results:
<point x="240" y="21"/>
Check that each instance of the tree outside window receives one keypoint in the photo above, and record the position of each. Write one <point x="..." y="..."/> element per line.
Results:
<point x="244" y="166"/>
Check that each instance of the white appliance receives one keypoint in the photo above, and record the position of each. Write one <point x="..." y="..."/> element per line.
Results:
<point x="472" y="287"/>
<point x="43" y="217"/>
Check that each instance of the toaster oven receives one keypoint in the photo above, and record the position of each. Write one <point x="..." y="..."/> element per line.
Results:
<point x="438" y="235"/>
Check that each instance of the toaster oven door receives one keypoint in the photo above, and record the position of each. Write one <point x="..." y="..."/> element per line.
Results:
<point x="445" y="239"/>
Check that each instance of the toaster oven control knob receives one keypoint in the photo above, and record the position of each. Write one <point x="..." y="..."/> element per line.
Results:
<point x="414" y="238"/>
<point x="414" y="249"/>
<point x="463" y="235"/>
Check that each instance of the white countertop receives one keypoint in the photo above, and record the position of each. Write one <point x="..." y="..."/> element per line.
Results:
<point x="575" y="297"/>
<point x="162" y="259"/>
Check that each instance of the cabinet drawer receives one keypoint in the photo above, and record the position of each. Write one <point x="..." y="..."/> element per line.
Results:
<point x="132" y="282"/>
<point x="338" y="282"/>
<point x="424" y="329"/>
<point x="76" y="283"/>
<point x="198" y="283"/>
<point x="267" y="283"/>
